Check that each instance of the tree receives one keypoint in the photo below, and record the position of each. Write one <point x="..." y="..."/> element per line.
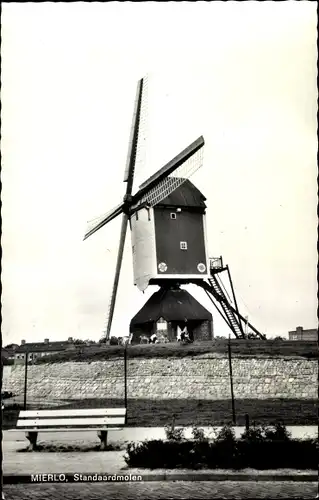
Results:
<point x="83" y="342"/>
<point x="114" y="341"/>
<point x="11" y="346"/>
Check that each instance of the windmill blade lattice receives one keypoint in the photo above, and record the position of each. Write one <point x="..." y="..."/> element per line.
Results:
<point x="117" y="274"/>
<point x="135" y="153"/>
<point x="143" y="131"/>
<point x="98" y="222"/>
<point x="169" y="184"/>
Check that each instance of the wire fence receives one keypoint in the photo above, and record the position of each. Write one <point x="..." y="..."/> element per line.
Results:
<point x="45" y="385"/>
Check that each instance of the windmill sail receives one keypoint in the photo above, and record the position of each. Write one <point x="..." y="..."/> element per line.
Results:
<point x="136" y="155"/>
<point x="117" y="274"/>
<point x="171" y="176"/>
<point x="96" y="224"/>
<point x="159" y="185"/>
<point x="143" y="133"/>
<point x="134" y="152"/>
<point x="166" y="186"/>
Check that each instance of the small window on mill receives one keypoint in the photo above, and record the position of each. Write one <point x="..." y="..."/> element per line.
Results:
<point x="173" y="215"/>
<point x="183" y="245"/>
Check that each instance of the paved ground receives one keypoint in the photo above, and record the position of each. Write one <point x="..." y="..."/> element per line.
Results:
<point x="162" y="490"/>
<point x="37" y="462"/>
<point x="15" y="462"/>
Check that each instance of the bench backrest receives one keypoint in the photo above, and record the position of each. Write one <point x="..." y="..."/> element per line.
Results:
<point x="101" y="417"/>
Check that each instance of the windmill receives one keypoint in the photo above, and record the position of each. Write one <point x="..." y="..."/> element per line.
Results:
<point x="152" y="191"/>
<point x="167" y="221"/>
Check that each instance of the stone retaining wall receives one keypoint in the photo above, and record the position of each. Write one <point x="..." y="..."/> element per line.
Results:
<point x="200" y="377"/>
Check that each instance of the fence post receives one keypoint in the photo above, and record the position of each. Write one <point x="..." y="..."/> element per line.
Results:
<point x="247" y="421"/>
<point x="125" y="380"/>
<point x="25" y="380"/>
<point x="231" y="382"/>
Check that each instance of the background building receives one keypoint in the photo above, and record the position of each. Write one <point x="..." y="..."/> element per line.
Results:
<point x="301" y="334"/>
<point x="38" y="349"/>
<point x="8" y="352"/>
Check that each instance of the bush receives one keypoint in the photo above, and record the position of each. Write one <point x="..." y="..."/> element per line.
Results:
<point x="157" y="454"/>
<point x="253" y="435"/>
<point x="267" y="454"/>
<point x="226" y="435"/>
<point x="258" y="448"/>
<point x="173" y="434"/>
<point x="273" y="447"/>
<point x="198" y="434"/>
<point x="278" y="433"/>
<point x="224" y="448"/>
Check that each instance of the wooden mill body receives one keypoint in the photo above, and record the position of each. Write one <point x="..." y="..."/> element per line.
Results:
<point x="169" y="240"/>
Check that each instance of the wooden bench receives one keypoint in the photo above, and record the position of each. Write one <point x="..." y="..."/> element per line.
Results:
<point x="101" y="420"/>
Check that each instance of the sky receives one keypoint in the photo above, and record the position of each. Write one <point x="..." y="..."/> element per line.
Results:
<point x="242" y="74"/>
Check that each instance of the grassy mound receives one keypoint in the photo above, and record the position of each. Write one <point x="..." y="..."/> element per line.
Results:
<point x="249" y="348"/>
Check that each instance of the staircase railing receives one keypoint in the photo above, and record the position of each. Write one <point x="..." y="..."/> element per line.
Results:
<point x="220" y="296"/>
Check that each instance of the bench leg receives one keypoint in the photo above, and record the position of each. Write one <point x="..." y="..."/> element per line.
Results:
<point x="32" y="437"/>
<point x="103" y="437"/>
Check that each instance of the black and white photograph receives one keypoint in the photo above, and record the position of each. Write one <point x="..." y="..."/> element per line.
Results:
<point x="159" y="250"/>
